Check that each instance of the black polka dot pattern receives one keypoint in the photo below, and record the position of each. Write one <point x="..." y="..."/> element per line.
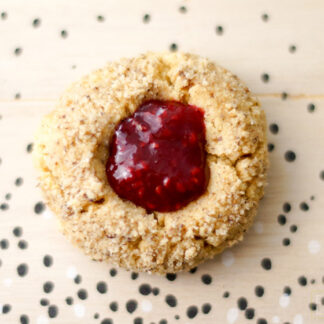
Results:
<point x="82" y="294"/>
<point x="302" y="280"/>
<point x="52" y="311"/>
<point x="192" y="311"/>
<point x="131" y="306"/>
<point x="48" y="261"/>
<point x="266" y="264"/>
<point x="39" y="207"/>
<point x="145" y="289"/>
<point x="259" y="291"/>
<point x="290" y="156"/>
<point x="22" y="270"/>
<point x="171" y="300"/>
<point x="32" y="252"/>
<point x="206" y="279"/>
<point x="242" y="303"/>
<point x="102" y="287"/>
<point x="48" y="287"/>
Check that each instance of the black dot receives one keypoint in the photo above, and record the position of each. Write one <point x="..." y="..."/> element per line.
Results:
<point x="302" y="280"/>
<point x="171" y="276"/>
<point x="286" y="207"/>
<point x="155" y="291"/>
<point x="265" y="17"/>
<point x="4" y="15"/>
<point x="177" y="317"/>
<point x="173" y="47"/>
<point x="145" y="289"/>
<point x="274" y="128"/>
<point x="100" y="18"/>
<point x="6" y="308"/>
<point x="311" y="107"/>
<point x="265" y="77"/>
<point x="22" y="269"/>
<point x="206" y="279"/>
<point x="64" y="33"/>
<point x="48" y="287"/>
<point x="131" y="306"/>
<point x="4" y="244"/>
<point x="22" y="244"/>
<point x="17" y="96"/>
<point x="219" y="30"/>
<point x="146" y="18"/>
<point x="290" y="156"/>
<point x="69" y="300"/>
<point x="18" y="182"/>
<point x="322" y="301"/>
<point x="242" y="303"/>
<point x="266" y="264"/>
<point x="312" y="281"/>
<point x="249" y="313"/>
<point x="183" y="9"/>
<point x="303" y="206"/>
<point x="44" y="302"/>
<point x="29" y="147"/>
<point x="96" y="316"/>
<point x="226" y="294"/>
<point x="77" y="279"/>
<point x="312" y="197"/>
<point x="102" y="287"/>
<point x="171" y="300"/>
<point x="113" y="306"/>
<point x="192" y="311"/>
<point x="107" y="321"/>
<point x="24" y="319"/>
<point x="271" y="147"/>
<point x="4" y="206"/>
<point x="282" y="219"/>
<point x="36" y="22"/>
<point x="8" y="196"/>
<point x="82" y="294"/>
<point x="284" y="95"/>
<point x="262" y="321"/>
<point x="39" y="207"/>
<point x="293" y="228"/>
<point x="47" y="261"/>
<point x="113" y="272"/>
<point x="286" y="241"/>
<point x="259" y="291"/>
<point x="322" y="175"/>
<point x="206" y="308"/>
<point x="17" y="231"/>
<point x="138" y="320"/>
<point x="18" y="51"/>
<point x="287" y="291"/>
<point x="193" y="270"/>
<point x="292" y="48"/>
<point x="163" y="321"/>
<point x="52" y="311"/>
<point x="134" y="275"/>
<point x="312" y="306"/>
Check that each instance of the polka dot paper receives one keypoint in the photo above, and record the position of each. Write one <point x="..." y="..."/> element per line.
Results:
<point x="276" y="275"/>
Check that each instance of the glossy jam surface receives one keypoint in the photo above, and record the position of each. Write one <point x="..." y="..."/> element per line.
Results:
<point x="157" y="156"/>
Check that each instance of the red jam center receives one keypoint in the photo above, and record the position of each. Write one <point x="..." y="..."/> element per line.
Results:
<point x="157" y="156"/>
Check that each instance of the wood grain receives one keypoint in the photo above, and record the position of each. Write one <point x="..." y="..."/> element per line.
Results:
<point x="249" y="46"/>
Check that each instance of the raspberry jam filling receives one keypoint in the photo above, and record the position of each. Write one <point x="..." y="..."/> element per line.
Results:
<point x="157" y="156"/>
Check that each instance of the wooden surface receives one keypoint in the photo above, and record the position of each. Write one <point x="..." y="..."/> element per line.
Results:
<point x="249" y="46"/>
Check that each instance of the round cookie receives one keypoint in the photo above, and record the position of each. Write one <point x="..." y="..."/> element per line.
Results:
<point x="72" y="147"/>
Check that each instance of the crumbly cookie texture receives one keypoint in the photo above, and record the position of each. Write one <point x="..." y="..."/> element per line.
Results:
<point x="71" y="150"/>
